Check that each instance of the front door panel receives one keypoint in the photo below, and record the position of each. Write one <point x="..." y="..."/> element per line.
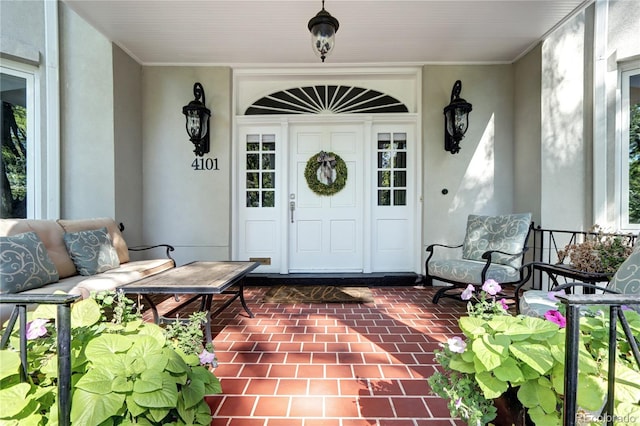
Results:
<point x="326" y="232"/>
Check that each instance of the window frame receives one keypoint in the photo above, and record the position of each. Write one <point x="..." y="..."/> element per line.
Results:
<point x="625" y="72"/>
<point x="34" y="150"/>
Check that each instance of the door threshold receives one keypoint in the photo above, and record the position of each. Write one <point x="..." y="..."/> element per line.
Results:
<point x="375" y="279"/>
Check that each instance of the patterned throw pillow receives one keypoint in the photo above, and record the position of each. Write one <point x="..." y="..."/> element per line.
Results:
<point x="24" y="263"/>
<point x="507" y="233"/>
<point x="91" y="251"/>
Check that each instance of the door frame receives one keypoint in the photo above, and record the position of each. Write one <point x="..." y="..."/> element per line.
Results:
<point x="405" y="83"/>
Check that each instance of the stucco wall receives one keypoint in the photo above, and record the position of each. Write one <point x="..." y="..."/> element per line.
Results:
<point x="86" y="120"/>
<point x="527" y="122"/>
<point x="186" y="208"/>
<point x="480" y="178"/>
<point x="623" y="39"/>
<point x="565" y="153"/>
<point x="22" y="35"/>
<point x="23" y="41"/>
<point x="127" y="118"/>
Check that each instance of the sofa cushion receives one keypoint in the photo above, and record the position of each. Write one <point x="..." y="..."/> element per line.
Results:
<point x="110" y="280"/>
<point x="91" y="251"/>
<point x="25" y="263"/>
<point x="125" y="274"/>
<point x="507" y="233"/>
<point x="112" y="227"/>
<point x="51" y="235"/>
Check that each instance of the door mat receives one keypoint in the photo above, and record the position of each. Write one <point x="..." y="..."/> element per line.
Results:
<point x="317" y="294"/>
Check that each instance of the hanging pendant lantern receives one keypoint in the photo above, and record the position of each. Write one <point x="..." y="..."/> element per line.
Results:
<point x="323" y="28"/>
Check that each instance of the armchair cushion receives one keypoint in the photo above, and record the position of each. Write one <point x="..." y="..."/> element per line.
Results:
<point x="470" y="271"/>
<point x="536" y="303"/>
<point x="626" y="280"/>
<point x="507" y="233"/>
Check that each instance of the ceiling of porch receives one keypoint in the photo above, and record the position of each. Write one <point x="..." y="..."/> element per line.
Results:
<point x="243" y="32"/>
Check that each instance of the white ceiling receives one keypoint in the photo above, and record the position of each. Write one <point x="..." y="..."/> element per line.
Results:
<point x="269" y="32"/>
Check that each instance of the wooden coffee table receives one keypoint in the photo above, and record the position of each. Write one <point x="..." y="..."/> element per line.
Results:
<point x="201" y="280"/>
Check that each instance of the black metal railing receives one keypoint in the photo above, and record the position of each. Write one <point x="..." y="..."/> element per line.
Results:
<point x="546" y="243"/>
<point x="574" y="302"/>
<point x="63" y="324"/>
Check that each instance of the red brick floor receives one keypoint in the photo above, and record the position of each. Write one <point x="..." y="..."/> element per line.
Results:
<point x="332" y="364"/>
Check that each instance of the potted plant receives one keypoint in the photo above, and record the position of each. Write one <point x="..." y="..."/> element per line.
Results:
<point x="124" y="371"/>
<point x="517" y="362"/>
<point x="600" y="252"/>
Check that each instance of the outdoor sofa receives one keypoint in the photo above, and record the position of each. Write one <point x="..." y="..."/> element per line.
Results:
<point x="72" y="256"/>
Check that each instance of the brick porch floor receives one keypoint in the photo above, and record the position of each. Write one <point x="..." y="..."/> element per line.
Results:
<point x="332" y="364"/>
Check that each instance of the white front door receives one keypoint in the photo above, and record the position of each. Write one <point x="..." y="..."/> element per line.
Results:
<point x="326" y="231"/>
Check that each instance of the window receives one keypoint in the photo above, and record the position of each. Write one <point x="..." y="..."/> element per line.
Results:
<point x="18" y="167"/>
<point x="261" y="170"/>
<point x="392" y="169"/>
<point x="630" y="143"/>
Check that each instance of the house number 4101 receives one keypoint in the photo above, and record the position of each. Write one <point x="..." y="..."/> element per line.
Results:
<point x="205" y="164"/>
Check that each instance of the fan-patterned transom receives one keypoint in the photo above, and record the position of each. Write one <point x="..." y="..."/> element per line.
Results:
<point x="327" y="99"/>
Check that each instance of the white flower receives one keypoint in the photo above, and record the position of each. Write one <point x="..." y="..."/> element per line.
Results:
<point x="207" y="357"/>
<point x="491" y="287"/>
<point x="36" y="328"/>
<point x="456" y="344"/>
<point x="468" y="292"/>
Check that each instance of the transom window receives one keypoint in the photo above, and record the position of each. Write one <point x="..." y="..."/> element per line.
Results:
<point x="392" y="169"/>
<point x="326" y="99"/>
<point x="261" y="170"/>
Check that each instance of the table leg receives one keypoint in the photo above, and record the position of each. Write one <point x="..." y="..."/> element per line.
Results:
<point x="242" y="301"/>
<point x="154" y="309"/>
<point x="206" y="304"/>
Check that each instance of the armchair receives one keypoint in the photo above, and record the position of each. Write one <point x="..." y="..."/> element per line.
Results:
<point x="626" y="280"/>
<point x="493" y="248"/>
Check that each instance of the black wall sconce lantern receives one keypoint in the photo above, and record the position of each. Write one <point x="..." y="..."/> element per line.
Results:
<point x="323" y="28"/>
<point x="198" y="115"/>
<point x="456" y="119"/>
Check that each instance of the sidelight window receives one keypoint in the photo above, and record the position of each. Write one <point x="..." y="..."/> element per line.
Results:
<point x="260" y="170"/>
<point x="392" y="169"/>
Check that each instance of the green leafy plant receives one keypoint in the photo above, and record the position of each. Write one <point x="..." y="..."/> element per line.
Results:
<point x="500" y="354"/>
<point x="124" y="370"/>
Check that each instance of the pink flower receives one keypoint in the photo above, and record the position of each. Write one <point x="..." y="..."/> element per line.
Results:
<point x="556" y="317"/>
<point x="491" y="287"/>
<point x="36" y="328"/>
<point x="456" y="344"/>
<point x="503" y="303"/>
<point x="458" y="402"/>
<point x="207" y="357"/>
<point x="468" y="292"/>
